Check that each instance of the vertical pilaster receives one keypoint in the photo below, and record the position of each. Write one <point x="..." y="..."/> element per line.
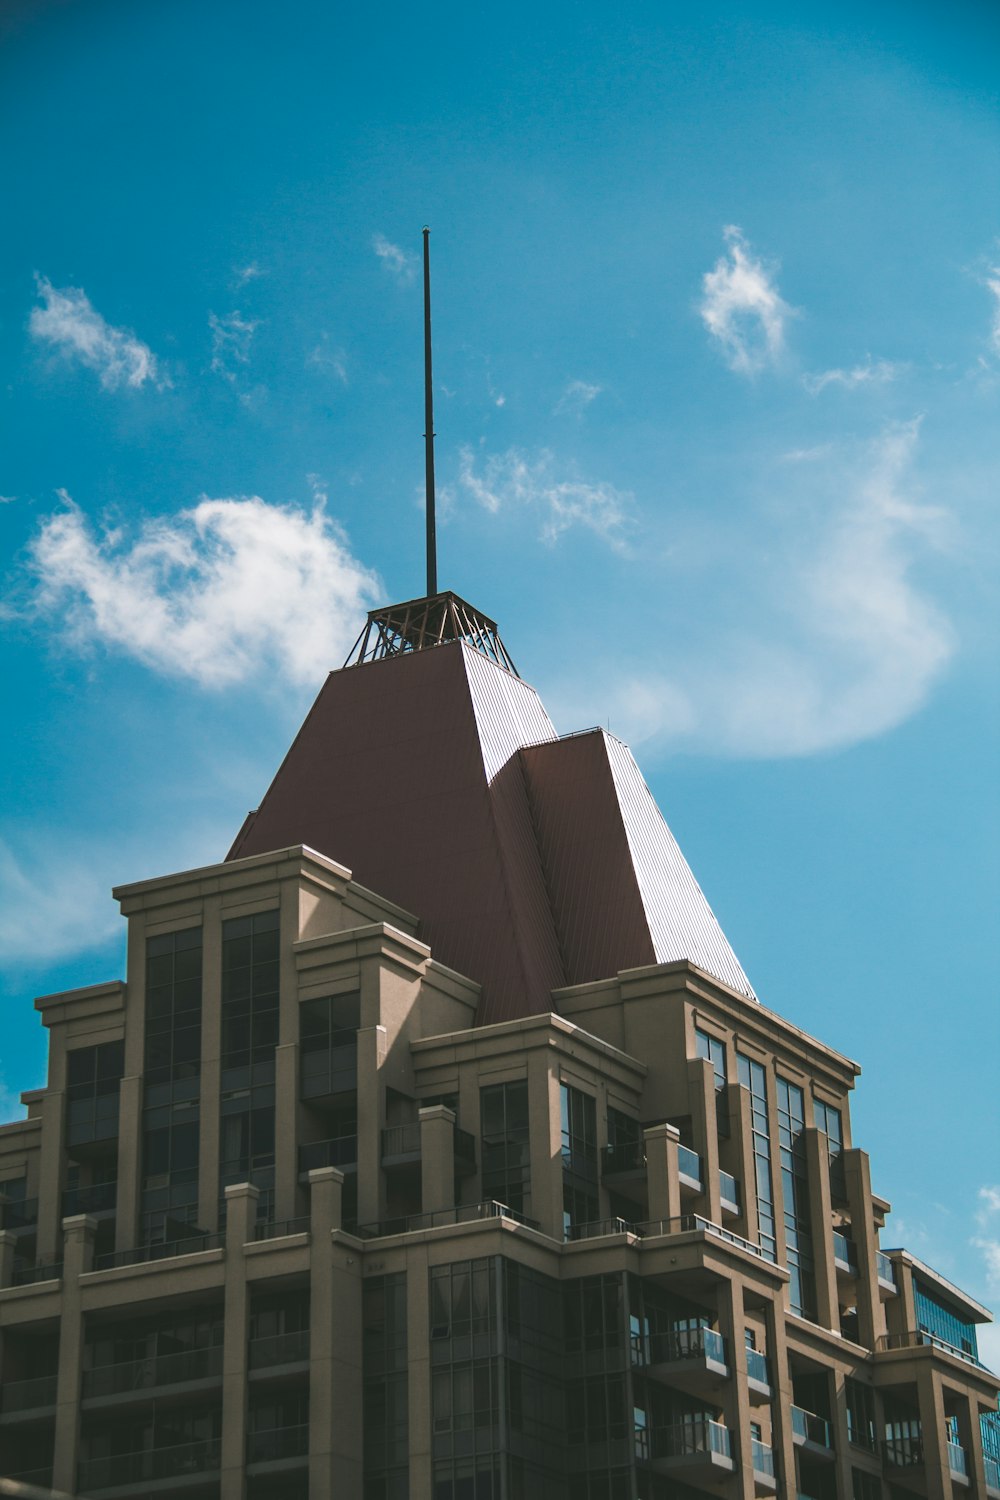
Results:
<point x="663" y="1188"/>
<point x="838" y="1429"/>
<point x="336" y="1376"/>
<point x="437" y="1158"/>
<point x="731" y="1326"/>
<point x="777" y="1185"/>
<point x="129" y="1162"/>
<point x="78" y="1257"/>
<point x="241" y="1216"/>
<point x="970" y="1435"/>
<point x="286" y="1094"/>
<point x="372" y="1048"/>
<point x="781" y="1394"/>
<point x="8" y="1243"/>
<point x="932" y="1427"/>
<point x="210" y="1086"/>
<point x="821" y="1227"/>
<point x="871" y="1316"/>
<point x="741" y="1118"/>
<point x="419" y="1380"/>
<point x="545" y="1134"/>
<point x="51" y="1173"/>
<point x="705" y="1128"/>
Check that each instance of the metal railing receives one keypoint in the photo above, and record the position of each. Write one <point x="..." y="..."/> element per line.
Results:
<point x="338" y="1151"/>
<point x="595" y="1229"/>
<point x="278" y="1229"/>
<point x="763" y="1457"/>
<point x="401" y="1140"/>
<point x="279" y="1349"/>
<point x="957" y="1461"/>
<point x="18" y="1213"/>
<point x="23" y="1395"/>
<point x="689" y="1222"/>
<point x="168" y="1250"/>
<point x="757" y="1367"/>
<point x="809" y="1428"/>
<point x="627" y="1156"/>
<point x="156" y="1370"/>
<point x="697" y="1435"/>
<point x="689" y="1164"/>
<point x="277" y="1442"/>
<point x="151" y="1463"/>
<point x="26" y="1275"/>
<point x="464" y="1214"/>
<point x="918" y="1338"/>
<point x="97" y="1198"/>
<point x="885" y="1269"/>
<point x="845" y="1252"/>
<point x="677" y="1344"/>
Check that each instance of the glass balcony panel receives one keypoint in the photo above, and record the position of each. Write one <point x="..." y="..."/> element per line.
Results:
<point x="97" y="1198"/>
<point x="885" y="1267"/>
<point x="729" y="1190"/>
<point x="809" y="1428"/>
<point x="992" y="1467"/>
<point x="957" y="1461"/>
<point x="278" y="1229"/>
<point x="339" y="1151"/>
<point x="279" y="1349"/>
<point x="757" y="1367"/>
<point x="763" y="1457"/>
<point x="141" y="1374"/>
<point x="697" y="1435"/>
<point x="689" y="1164"/>
<point x="845" y="1252"/>
<point x="277" y="1442"/>
<point x="24" y="1395"/>
<point x="152" y="1463"/>
<point x="19" y="1213"/>
<point x="627" y="1156"/>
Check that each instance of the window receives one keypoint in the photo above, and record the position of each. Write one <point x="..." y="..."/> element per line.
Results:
<point x="581" y="1204"/>
<point x="753" y="1078"/>
<point x="506" y="1160"/>
<point x="714" y="1051"/>
<point x="173" y="1014"/>
<point x="934" y="1317"/>
<point x="328" y="1045"/>
<point x="93" y="1080"/>
<point x="795" y="1192"/>
<point x="865" y="1486"/>
<point x="861" y="1427"/>
<point x="830" y="1121"/>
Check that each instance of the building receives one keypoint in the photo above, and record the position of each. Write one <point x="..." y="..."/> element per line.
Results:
<point x="436" y="1147"/>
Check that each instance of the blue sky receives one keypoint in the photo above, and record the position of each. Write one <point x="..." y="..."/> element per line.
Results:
<point x="717" y="353"/>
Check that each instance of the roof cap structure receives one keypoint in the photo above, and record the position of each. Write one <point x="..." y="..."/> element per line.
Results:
<point x="421" y="623"/>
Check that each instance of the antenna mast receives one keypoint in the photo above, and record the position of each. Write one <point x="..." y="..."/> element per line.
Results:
<point x="429" y="424"/>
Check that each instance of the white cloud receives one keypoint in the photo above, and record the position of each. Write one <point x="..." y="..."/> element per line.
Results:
<point x="401" y="263"/>
<point x="244" y="274"/>
<point x="877" y="372"/>
<point x="7" y="499"/>
<point x="326" y="356"/>
<point x="54" y="905"/>
<point x="835" y="642"/>
<point x="576" y="398"/>
<point x="741" y="307"/>
<point x="231" y="340"/>
<point x="73" y="326"/>
<point x="988" y="1341"/>
<point x="231" y="589"/>
<point x="990" y="1199"/>
<point x="993" y="284"/>
<point x="514" y="478"/>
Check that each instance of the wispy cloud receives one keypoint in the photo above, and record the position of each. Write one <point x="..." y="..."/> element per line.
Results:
<point x="327" y="356"/>
<point x="838" y="642"/>
<point x="232" y="337"/>
<point x="72" y="325"/>
<point x="576" y="398"/>
<point x="242" y="275"/>
<point x="987" y="1240"/>
<point x="742" y="309"/>
<point x="504" y="480"/>
<point x="397" y="261"/>
<point x="7" y="499"/>
<point x="53" y="905"/>
<point x="227" y="590"/>
<point x="872" y="372"/>
<point x="992" y="281"/>
<point x="11" y="1107"/>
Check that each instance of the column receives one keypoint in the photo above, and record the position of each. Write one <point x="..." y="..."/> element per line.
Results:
<point x="8" y="1242"/>
<point x="286" y="1097"/>
<point x="335" y="1343"/>
<point x="372" y="1048"/>
<point x="210" y="1084"/>
<point x="437" y="1158"/>
<point x="419" y="1378"/>
<point x="705" y="1126"/>
<point x="871" y="1317"/>
<point x="241" y="1216"/>
<point x="970" y="1435"/>
<point x="545" y="1142"/>
<point x="78" y="1257"/>
<point x="741" y="1119"/>
<point x="129" y="1162"/>
<point x="731" y="1326"/>
<point x="663" y="1188"/>
<point x="821" y="1226"/>
<point x="51" y="1174"/>
<point x="932" y="1428"/>
<point x="781" y="1393"/>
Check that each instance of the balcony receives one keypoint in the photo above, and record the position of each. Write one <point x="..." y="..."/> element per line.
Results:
<point x="97" y="1198"/>
<point x="182" y="1460"/>
<point x="958" y="1463"/>
<point x="811" y="1433"/>
<point x="19" y="1397"/>
<point x="279" y="1229"/>
<point x="401" y="1144"/>
<point x="919" y="1338"/>
<point x="623" y="1158"/>
<point x="904" y="1452"/>
<point x="695" y="1222"/>
<point x="762" y="1458"/>
<point x="845" y="1254"/>
<point x="992" y="1467"/>
<point x="692" y="1358"/>
<point x="18" y="1215"/>
<point x="729" y="1193"/>
<point x="886" y="1273"/>
<point x="758" y="1376"/>
<point x="25" y="1274"/>
<point x="699" y="1448"/>
<point x="275" y="1443"/>
<point x="279" y="1349"/>
<point x="689" y="1167"/>
<point x="168" y="1250"/>
<point x="467" y="1213"/>
<point x="596" y="1229"/>
<point x="148" y="1374"/>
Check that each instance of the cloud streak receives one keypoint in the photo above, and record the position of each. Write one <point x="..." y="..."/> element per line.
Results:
<point x="877" y="372"/>
<point x="68" y="321"/>
<point x="742" y="308"/>
<point x="229" y="590"/>
<point x="575" y="399"/>
<point x="993" y="285"/>
<point x="398" y="262"/>
<point x="232" y="337"/>
<point x="514" y="479"/>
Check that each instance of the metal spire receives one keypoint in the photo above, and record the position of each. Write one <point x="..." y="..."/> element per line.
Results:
<point x="429" y="424"/>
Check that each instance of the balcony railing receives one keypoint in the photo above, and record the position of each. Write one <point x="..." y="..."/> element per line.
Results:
<point x="168" y="1250"/>
<point x="917" y="1338"/>
<point x="97" y="1198"/>
<point x="688" y="1222"/>
<point x="277" y="1229"/>
<point x="277" y="1442"/>
<point x="729" y="1191"/>
<point x="464" y="1214"/>
<point x="905" y="1451"/>
<point x="992" y="1467"/>
<point x="20" y="1213"/>
<point x="757" y="1367"/>
<point x="763" y="1457"/>
<point x="27" y="1275"/>
<point x="279" y="1349"/>
<point x="339" y="1151"/>
<point x="625" y="1156"/>
<point x="25" y="1395"/>
<point x="698" y="1435"/>
<point x="595" y="1229"/>
<point x="885" y="1269"/>
<point x="465" y="1145"/>
<point x="807" y="1427"/>
<point x="401" y="1140"/>
<point x="149" y="1464"/>
<point x="680" y="1343"/>
<point x="845" y="1253"/>
<point x="157" y="1370"/>
<point x="689" y="1164"/>
<point x="957" y="1461"/>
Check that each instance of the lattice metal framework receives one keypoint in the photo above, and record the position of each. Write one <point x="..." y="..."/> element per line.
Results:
<point x="421" y="623"/>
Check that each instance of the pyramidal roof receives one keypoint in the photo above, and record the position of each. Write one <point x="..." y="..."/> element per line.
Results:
<point x="432" y="771"/>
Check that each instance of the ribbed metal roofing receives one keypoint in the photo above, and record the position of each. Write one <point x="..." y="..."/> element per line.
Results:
<point x="681" y="922"/>
<point x="508" y="712"/>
